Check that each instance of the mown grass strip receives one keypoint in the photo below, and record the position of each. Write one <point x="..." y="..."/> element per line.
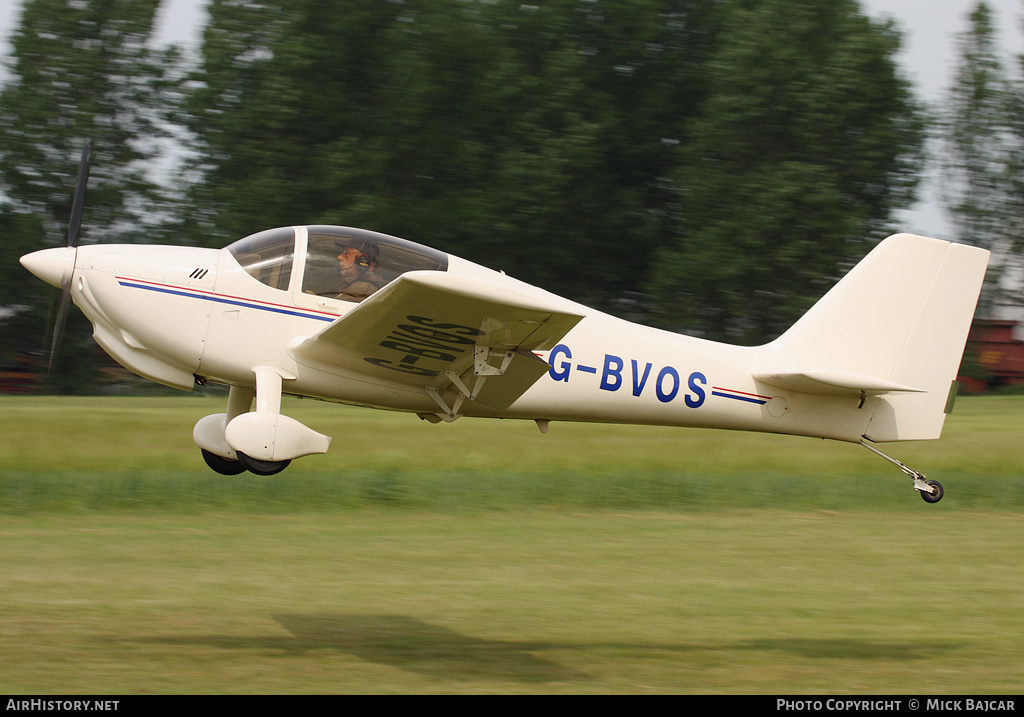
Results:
<point x="535" y="601"/>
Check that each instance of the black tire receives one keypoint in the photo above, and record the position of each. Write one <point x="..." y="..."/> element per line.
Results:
<point x="224" y="466"/>
<point x="261" y="468"/>
<point x="932" y="497"/>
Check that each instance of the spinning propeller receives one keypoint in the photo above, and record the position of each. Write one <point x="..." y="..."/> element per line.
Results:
<point x="60" y="319"/>
<point x="57" y="266"/>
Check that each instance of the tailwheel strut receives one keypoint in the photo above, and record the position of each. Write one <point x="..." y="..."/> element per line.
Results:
<point x="930" y="490"/>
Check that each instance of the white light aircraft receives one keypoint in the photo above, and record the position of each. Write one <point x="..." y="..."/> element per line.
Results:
<point x="362" y="318"/>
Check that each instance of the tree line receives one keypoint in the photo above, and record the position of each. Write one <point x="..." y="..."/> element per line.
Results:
<point x="707" y="166"/>
<point x="980" y="137"/>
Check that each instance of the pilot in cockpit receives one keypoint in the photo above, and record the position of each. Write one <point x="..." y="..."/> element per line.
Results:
<point x="345" y="269"/>
<point x="357" y="265"/>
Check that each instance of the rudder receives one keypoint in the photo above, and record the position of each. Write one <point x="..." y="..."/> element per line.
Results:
<point x="934" y="349"/>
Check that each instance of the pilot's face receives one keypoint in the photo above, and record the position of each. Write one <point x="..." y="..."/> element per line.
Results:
<point x="347" y="260"/>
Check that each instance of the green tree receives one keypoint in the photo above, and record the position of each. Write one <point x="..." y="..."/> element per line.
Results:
<point x="580" y="183"/>
<point x="806" y="142"/>
<point x="977" y="133"/>
<point x="81" y="70"/>
<point x="1005" y="224"/>
<point x="533" y="139"/>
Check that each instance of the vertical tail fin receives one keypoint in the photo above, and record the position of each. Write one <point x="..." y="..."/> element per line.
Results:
<point x="896" y="327"/>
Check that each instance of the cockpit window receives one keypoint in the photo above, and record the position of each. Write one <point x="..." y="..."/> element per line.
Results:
<point x="352" y="264"/>
<point x="267" y="256"/>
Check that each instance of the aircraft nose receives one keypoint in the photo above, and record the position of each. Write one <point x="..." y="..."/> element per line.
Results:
<point x="51" y="265"/>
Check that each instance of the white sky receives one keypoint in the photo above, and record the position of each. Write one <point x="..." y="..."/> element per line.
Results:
<point x="928" y="55"/>
<point x="929" y="28"/>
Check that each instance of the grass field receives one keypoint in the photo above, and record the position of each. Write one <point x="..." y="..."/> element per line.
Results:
<point x="485" y="557"/>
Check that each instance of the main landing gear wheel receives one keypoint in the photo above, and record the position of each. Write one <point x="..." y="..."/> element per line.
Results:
<point x="932" y="497"/>
<point x="224" y="466"/>
<point x="261" y="468"/>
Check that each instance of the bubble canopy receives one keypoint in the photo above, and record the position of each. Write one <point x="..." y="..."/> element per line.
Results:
<point x="336" y="262"/>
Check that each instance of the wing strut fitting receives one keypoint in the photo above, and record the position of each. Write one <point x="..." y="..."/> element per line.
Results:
<point x="482" y="369"/>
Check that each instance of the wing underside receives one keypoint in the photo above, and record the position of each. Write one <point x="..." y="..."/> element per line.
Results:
<point x="457" y="339"/>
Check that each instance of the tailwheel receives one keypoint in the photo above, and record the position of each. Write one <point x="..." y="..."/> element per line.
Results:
<point x="930" y="490"/>
<point x="936" y="495"/>
<point x="261" y="468"/>
<point x="222" y="465"/>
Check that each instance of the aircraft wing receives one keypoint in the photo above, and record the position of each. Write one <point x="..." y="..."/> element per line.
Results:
<point x="456" y="338"/>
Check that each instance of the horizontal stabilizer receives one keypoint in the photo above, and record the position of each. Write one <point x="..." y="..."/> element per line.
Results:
<point x="831" y="382"/>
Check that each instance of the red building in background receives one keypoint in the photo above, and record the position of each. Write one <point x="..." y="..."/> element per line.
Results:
<point x="994" y="356"/>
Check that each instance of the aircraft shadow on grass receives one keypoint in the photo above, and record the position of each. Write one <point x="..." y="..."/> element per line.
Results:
<point x="410" y="644"/>
<point x="398" y="641"/>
